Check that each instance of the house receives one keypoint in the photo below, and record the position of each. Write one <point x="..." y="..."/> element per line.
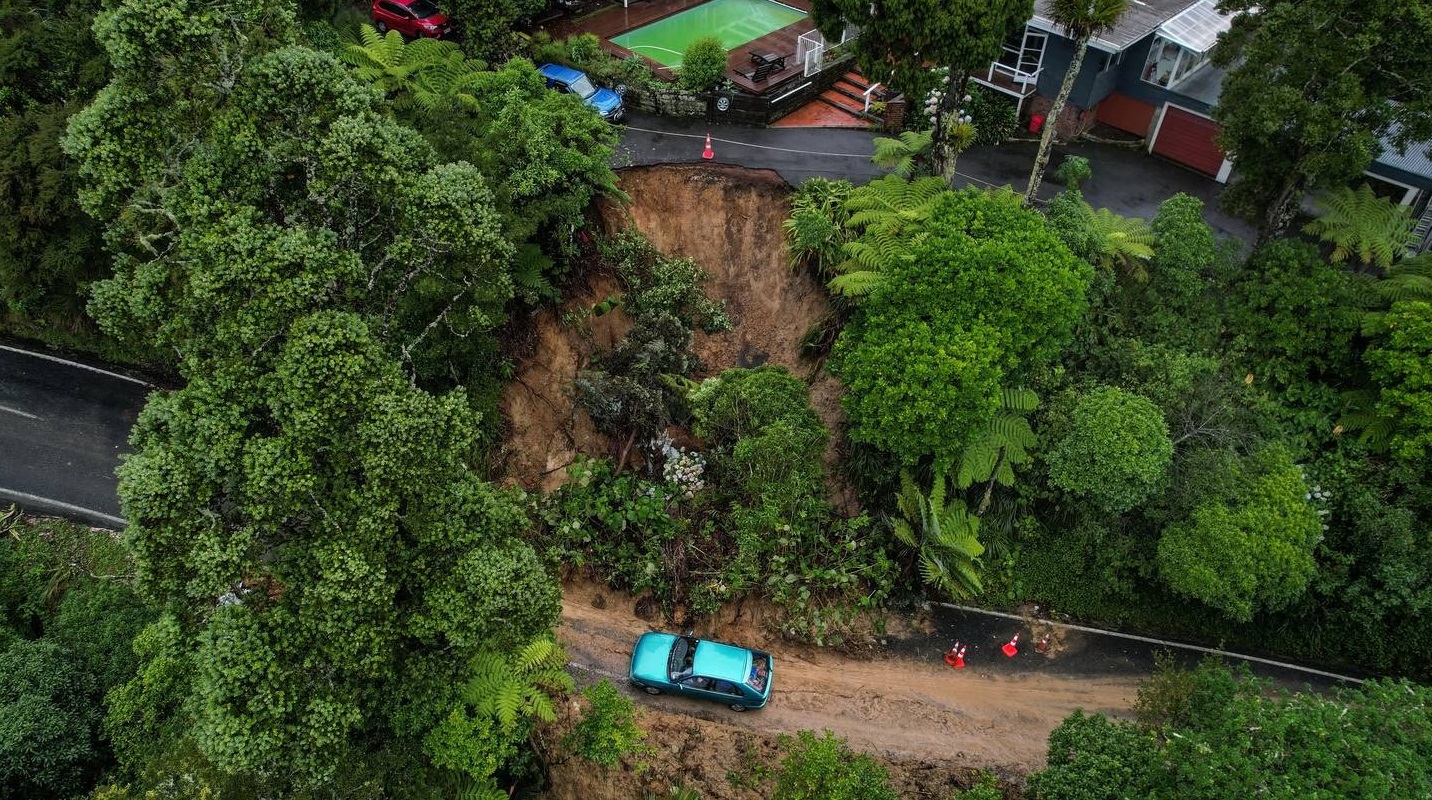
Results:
<point x="1150" y="76"/>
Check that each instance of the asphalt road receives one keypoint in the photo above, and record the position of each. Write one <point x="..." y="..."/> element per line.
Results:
<point x="63" y="427"/>
<point x="1126" y="180"/>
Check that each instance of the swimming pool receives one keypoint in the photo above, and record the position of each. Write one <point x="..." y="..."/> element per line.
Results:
<point x="734" y="22"/>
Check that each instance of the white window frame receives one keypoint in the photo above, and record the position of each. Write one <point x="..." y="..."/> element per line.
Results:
<point x="1185" y="62"/>
<point x="1024" y="48"/>
<point x="1408" y="197"/>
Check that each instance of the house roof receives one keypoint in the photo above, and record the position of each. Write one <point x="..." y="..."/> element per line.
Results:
<point x="1142" y="18"/>
<point x="1416" y="161"/>
<point x="1197" y="27"/>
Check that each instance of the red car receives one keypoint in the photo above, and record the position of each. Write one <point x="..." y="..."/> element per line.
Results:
<point x="410" y="18"/>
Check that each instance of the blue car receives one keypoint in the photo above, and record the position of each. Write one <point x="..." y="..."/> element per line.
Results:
<point x="565" y="79"/>
<point x="736" y="676"/>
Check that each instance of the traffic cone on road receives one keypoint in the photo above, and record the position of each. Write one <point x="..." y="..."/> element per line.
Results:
<point x="960" y="658"/>
<point x="1042" y="646"/>
<point x="708" y="153"/>
<point x="1011" y="647"/>
<point x="953" y="655"/>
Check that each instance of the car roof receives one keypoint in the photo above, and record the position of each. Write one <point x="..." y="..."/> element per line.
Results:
<point x="559" y="72"/>
<point x="722" y="661"/>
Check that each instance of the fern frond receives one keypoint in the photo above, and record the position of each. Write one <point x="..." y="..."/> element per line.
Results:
<point x="908" y="498"/>
<point x="1019" y="398"/>
<point x="487" y="672"/>
<point x="507" y="703"/>
<point x="540" y="705"/>
<point x="904" y="533"/>
<point x="900" y="155"/>
<point x="1358" y="222"/>
<point x="976" y="462"/>
<point x="540" y="653"/>
<point x="855" y="284"/>
<point x="967" y="578"/>
<point x="473" y="790"/>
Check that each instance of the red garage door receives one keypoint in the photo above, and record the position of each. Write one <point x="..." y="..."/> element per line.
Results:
<point x="1187" y="138"/>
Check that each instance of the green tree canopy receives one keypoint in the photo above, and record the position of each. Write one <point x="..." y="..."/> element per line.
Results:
<point x="989" y="292"/>
<point x="1116" y="452"/>
<point x="321" y="514"/>
<point x="1400" y="360"/>
<point x="1230" y="736"/>
<point x="1250" y="546"/>
<point x="49" y="718"/>
<point x="1305" y="108"/>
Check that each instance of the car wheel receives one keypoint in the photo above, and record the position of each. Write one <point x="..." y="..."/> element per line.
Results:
<point x="651" y="690"/>
<point x="381" y="26"/>
<point x="737" y="707"/>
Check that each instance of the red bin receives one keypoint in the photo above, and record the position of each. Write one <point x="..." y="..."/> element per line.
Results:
<point x="1036" y="121"/>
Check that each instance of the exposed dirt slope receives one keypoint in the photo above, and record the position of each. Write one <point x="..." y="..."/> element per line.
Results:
<point x="726" y="219"/>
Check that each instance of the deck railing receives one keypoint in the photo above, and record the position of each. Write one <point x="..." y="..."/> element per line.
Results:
<point x="1024" y="79"/>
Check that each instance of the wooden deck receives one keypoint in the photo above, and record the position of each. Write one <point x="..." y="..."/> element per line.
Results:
<point x="614" y="20"/>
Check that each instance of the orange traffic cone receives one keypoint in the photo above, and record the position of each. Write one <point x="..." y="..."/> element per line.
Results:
<point x="708" y="154"/>
<point x="960" y="658"/>
<point x="1042" y="645"/>
<point x="954" y="654"/>
<point x="1011" y="647"/>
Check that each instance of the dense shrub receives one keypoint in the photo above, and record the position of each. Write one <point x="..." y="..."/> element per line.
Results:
<point x="49" y="719"/>
<point x="1116" y="452"/>
<point x="703" y="65"/>
<point x="990" y="294"/>
<point x="1249" y="546"/>
<point x="825" y="768"/>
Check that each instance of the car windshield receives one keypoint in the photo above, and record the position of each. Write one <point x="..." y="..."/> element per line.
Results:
<point x="760" y="671"/>
<point x="583" y="88"/>
<point x="422" y="9"/>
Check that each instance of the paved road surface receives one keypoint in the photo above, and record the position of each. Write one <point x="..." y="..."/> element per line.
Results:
<point x="63" y="427"/>
<point x="1126" y="181"/>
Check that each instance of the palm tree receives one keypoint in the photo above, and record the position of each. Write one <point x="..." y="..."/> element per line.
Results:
<point x="1082" y="20"/>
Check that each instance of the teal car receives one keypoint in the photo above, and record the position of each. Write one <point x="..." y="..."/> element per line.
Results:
<point x="736" y="676"/>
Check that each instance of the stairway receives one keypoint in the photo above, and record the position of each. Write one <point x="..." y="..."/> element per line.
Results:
<point x="1422" y="233"/>
<point x="848" y="95"/>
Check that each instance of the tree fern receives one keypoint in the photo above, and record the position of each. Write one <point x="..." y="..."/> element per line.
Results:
<point x="1359" y="223"/>
<point x="427" y="73"/>
<point x="1409" y="279"/>
<point x="889" y="218"/>
<point x="943" y="536"/>
<point x="856" y="284"/>
<point x="903" y="156"/>
<point x="480" y="790"/>
<point x="1125" y="243"/>
<point x="517" y="687"/>
<point x="1003" y="445"/>
<point x="1362" y="416"/>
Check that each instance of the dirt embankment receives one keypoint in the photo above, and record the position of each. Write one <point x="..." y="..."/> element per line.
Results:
<point x="727" y="220"/>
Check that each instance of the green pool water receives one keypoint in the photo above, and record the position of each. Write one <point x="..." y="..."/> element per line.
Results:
<point x="734" y="22"/>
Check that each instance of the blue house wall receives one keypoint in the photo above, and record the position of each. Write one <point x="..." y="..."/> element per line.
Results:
<point x="1090" y="87"/>
<point x="1131" y="81"/>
